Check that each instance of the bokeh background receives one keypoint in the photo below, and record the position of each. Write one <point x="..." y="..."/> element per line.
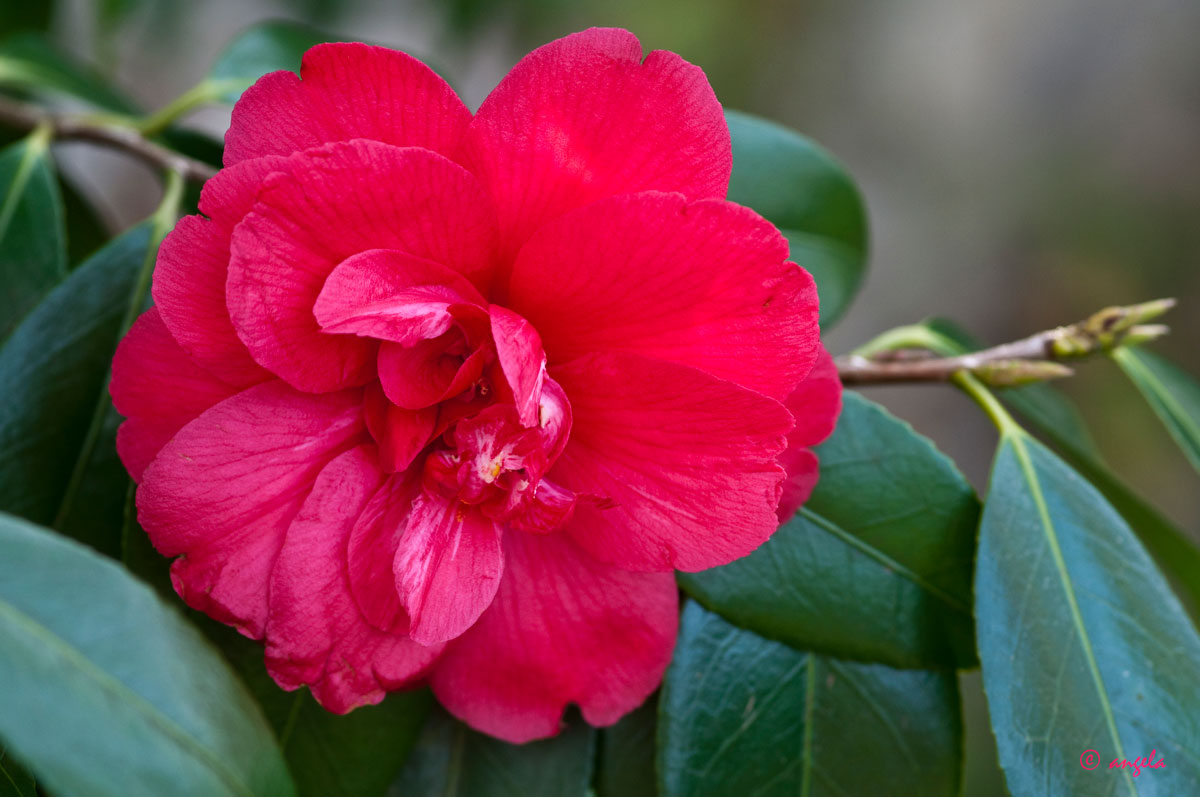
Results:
<point x="1025" y="162"/>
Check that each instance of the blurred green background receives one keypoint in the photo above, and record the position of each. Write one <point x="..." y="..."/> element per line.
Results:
<point x="1025" y="162"/>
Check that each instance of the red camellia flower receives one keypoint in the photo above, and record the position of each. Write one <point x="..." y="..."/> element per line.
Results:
<point x="434" y="397"/>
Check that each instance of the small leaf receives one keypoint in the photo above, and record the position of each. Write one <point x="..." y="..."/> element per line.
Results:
<point x="1082" y="645"/>
<point x="263" y="48"/>
<point x="876" y="566"/>
<point x="28" y="61"/>
<point x="740" y="714"/>
<point x="451" y="759"/>
<point x="33" y="245"/>
<point x="54" y="368"/>
<point x="104" y="690"/>
<point x="1171" y="392"/>
<point x="802" y="190"/>
<point x="625" y="764"/>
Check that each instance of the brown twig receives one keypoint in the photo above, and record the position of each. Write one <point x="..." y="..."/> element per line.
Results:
<point x="75" y="127"/>
<point x="1032" y="359"/>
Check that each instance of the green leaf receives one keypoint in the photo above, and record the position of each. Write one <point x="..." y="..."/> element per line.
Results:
<point x="452" y="760"/>
<point x="740" y="714"/>
<point x="1059" y="422"/>
<point x="14" y="781"/>
<point x="1082" y="645"/>
<point x="263" y="48"/>
<point x="1171" y="392"/>
<point x="107" y="691"/>
<point x="28" y="61"/>
<point x="33" y="245"/>
<point x="806" y="193"/>
<point x="55" y="369"/>
<point x="625" y="765"/>
<point x="877" y="564"/>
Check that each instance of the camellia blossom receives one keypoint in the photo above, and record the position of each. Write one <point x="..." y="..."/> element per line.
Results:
<point x="435" y="397"/>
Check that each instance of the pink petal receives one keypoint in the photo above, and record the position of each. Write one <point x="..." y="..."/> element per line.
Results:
<point x="222" y="493"/>
<point x="688" y="462"/>
<point x="315" y="634"/>
<point x="347" y="91"/>
<point x="447" y="568"/>
<point x="371" y="550"/>
<point x="390" y="295"/>
<point x="802" y="470"/>
<point x="705" y="284"/>
<point x="332" y="203"/>
<point x="520" y="351"/>
<point x="585" y="117"/>
<point x="815" y="405"/>
<point x="563" y="628"/>
<point x="190" y="275"/>
<point x="423" y="375"/>
<point x="399" y="433"/>
<point x="549" y="510"/>
<point x="158" y="388"/>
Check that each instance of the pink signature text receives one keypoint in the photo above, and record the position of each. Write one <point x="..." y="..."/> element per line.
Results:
<point x="1138" y="764"/>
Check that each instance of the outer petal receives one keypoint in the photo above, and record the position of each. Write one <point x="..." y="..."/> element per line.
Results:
<point x="224" y="490"/>
<point x="688" y="463"/>
<point x="815" y="405"/>
<point x="705" y="284"/>
<point x="585" y="117"/>
<point x="346" y="91"/>
<point x="316" y="635"/>
<point x="563" y="628"/>
<point x="332" y="203"/>
<point x="447" y="568"/>
<point x="158" y="388"/>
<point x="193" y="263"/>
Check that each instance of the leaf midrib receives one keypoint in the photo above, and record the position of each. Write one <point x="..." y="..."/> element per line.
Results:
<point x="90" y="671"/>
<point x="879" y="556"/>
<point x="1016" y="439"/>
<point x="16" y="188"/>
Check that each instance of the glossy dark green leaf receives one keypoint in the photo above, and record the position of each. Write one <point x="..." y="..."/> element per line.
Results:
<point x="30" y="62"/>
<point x="452" y="760"/>
<point x="627" y="752"/>
<point x="33" y="245"/>
<point x="876" y="566"/>
<point x="740" y="714"/>
<point x="54" y="367"/>
<point x="14" y="780"/>
<point x="1081" y="643"/>
<point x="1058" y="421"/>
<point x="806" y="193"/>
<point x="1173" y="394"/>
<point x="105" y="690"/>
<point x="263" y="48"/>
